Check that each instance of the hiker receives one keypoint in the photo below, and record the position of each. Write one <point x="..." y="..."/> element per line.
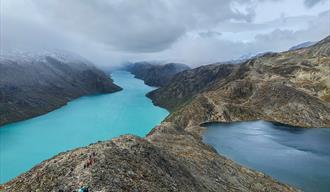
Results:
<point x="89" y="162"/>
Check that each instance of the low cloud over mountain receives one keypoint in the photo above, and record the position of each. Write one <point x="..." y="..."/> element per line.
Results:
<point x="195" y="32"/>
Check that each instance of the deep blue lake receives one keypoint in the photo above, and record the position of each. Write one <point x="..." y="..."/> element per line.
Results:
<point x="297" y="156"/>
<point x="83" y="121"/>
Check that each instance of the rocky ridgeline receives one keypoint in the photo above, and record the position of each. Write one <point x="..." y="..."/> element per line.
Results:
<point x="33" y="84"/>
<point x="290" y="87"/>
<point x="188" y="84"/>
<point x="156" y="75"/>
<point x="168" y="159"/>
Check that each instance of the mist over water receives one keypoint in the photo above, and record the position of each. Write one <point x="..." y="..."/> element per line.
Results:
<point x="83" y="121"/>
<point x="297" y="156"/>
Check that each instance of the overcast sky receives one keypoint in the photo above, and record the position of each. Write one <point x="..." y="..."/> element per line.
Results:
<point x="196" y="32"/>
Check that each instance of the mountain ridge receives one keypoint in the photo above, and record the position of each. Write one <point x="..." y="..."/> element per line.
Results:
<point x="291" y="87"/>
<point x="168" y="159"/>
<point x="156" y="75"/>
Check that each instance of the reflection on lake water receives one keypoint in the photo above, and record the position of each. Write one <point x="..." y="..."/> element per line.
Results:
<point x="297" y="156"/>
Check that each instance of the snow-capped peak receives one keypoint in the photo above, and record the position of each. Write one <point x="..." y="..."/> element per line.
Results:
<point x="21" y="57"/>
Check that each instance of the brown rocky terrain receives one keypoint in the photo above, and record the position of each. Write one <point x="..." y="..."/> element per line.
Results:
<point x="156" y="75"/>
<point x="32" y="85"/>
<point x="168" y="159"/>
<point x="188" y="84"/>
<point x="290" y="87"/>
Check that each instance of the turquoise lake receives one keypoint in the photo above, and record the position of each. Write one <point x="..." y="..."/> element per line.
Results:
<point x="296" y="156"/>
<point x="83" y="121"/>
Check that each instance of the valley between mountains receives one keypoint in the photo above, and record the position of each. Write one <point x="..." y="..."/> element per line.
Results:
<point x="291" y="87"/>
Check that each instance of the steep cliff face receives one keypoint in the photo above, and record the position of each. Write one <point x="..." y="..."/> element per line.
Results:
<point x="154" y="74"/>
<point x="33" y="84"/>
<point x="292" y="87"/>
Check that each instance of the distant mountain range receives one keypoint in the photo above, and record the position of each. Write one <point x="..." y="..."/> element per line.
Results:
<point x="155" y="74"/>
<point x="248" y="56"/>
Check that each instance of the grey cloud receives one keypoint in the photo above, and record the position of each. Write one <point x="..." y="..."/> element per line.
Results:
<point x="20" y="33"/>
<point x="137" y="26"/>
<point x="311" y="3"/>
<point x="109" y="32"/>
<point x="211" y="49"/>
<point x="286" y="22"/>
<point x="207" y="34"/>
<point x="276" y="36"/>
<point x="317" y="29"/>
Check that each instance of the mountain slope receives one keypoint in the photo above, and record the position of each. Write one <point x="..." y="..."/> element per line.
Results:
<point x="167" y="160"/>
<point x="154" y="74"/>
<point x="189" y="83"/>
<point x="292" y="87"/>
<point x="33" y="84"/>
<point x="302" y="45"/>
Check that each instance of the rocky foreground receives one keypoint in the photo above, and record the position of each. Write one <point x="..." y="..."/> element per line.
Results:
<point x="290" y="87"/>
<point x="156" y="75"/>
<point x="33" y="84"/>
<point x="168" y="159"/>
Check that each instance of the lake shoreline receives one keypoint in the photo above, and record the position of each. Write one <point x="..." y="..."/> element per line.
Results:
<point x="232" y="148"/>
<point x="96" y="117"/>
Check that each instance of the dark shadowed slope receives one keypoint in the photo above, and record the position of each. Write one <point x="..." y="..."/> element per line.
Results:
<point x="34" y="84"/>
<point x="154" y="74"/>
<point x="188" y="84"/>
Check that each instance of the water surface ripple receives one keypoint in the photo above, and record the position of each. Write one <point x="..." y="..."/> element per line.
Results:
<point x="297" y="156"/>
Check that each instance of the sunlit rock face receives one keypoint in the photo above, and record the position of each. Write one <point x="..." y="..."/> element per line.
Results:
<point x="35" y="83"/>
